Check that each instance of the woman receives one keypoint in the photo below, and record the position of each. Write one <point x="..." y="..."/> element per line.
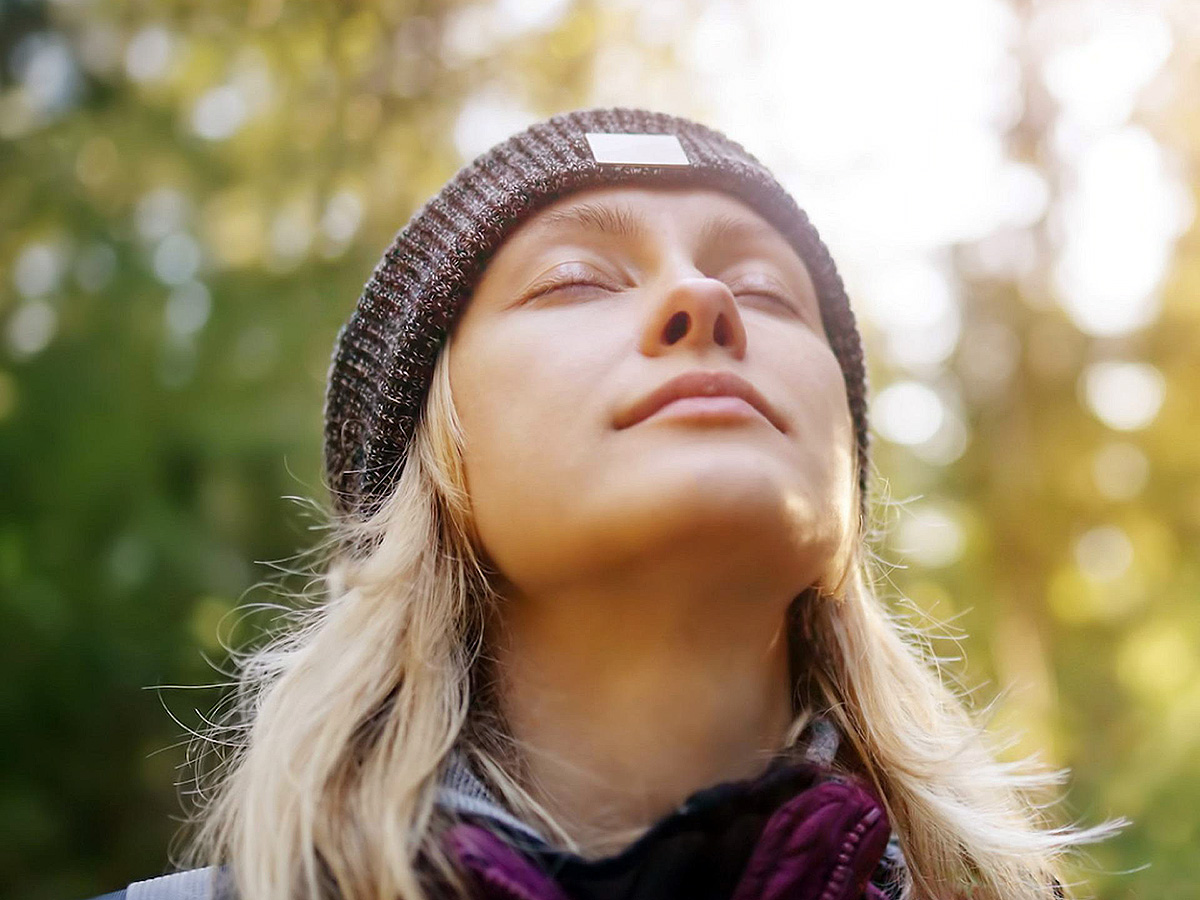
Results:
<point x="595" y="620"/>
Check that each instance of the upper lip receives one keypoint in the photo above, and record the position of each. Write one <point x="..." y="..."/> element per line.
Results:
<point x="699" y="384"/>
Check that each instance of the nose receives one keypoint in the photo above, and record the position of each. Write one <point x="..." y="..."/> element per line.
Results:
<point x="694" y="313"/>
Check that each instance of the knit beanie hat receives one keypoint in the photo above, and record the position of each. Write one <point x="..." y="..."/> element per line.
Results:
<point x="384" y="355"/>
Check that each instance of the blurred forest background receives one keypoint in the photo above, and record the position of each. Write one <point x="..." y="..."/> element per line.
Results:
<point x="192" y="195"/>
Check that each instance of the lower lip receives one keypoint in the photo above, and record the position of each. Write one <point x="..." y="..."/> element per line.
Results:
<point x="708" y="409"/>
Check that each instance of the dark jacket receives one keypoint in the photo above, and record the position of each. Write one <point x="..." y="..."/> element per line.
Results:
<point x="798" y="831"/>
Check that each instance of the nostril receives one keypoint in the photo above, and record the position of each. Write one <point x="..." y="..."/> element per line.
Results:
<point x="722" y="331"/>
<point x="676" y="327"/>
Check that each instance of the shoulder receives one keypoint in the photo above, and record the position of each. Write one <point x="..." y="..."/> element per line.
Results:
<point x="208" y="883"/>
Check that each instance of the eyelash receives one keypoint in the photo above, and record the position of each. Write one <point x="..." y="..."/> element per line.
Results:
<point x="558" y="282"/>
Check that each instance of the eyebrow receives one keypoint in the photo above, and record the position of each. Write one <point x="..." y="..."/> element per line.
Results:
<point x="722" y="228"/>
<point x="618" y="221"/>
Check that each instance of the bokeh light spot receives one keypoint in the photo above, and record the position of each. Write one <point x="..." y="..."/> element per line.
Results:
<point x="159" y="212"/>
<point x="1120" y="470"/>
<point x="176" y="258"/>
<point x="1156" y="660"/>
<point x="148" y="54"/>
<point x="219" y="113"/>
<point x="31" y="328"/>
<point x="39" y="269"/>
<point x="908" y="412"/>
<point x="1103" y="553"/>
<point x="1125" y="396"/>
<point x="187" y="309"/>
<point x="931" y="535"/>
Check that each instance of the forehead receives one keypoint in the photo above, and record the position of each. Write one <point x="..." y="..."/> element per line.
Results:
<point x="631" y="212"/>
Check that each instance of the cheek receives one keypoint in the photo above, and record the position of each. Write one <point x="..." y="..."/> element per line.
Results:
<point x="519" y="384"/>
<point x="527" y="402"/>
<point x="823" y="426"/>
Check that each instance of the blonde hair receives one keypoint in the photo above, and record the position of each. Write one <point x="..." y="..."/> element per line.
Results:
<point x="343" y="720"/>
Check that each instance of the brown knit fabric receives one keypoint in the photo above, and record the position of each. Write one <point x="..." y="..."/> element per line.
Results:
<point x="384" y="355"/>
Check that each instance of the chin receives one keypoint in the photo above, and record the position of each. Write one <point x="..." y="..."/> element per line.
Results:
<point x="742" y="507"/>
<point x="730" y="498"/>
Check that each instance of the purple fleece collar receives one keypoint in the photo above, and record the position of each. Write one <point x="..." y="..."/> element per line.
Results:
<point x="464" y="795"/>
<point x="795" y="833"/>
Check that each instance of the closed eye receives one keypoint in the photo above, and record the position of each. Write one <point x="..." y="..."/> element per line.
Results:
<point x="570" y="280"/>
<point x="768" y="292"/>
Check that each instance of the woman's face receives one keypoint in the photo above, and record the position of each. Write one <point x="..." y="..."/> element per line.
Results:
<point x="584" y="453"/>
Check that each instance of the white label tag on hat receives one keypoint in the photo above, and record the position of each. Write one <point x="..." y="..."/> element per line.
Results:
<point x="637" y="149"/>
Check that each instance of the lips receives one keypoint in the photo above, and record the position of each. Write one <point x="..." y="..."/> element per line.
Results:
<point x="699" y="384"/>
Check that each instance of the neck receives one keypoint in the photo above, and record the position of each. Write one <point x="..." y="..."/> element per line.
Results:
<point x="627" y="696"/>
